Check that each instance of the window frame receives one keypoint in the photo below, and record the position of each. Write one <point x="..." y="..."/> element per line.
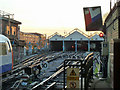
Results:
<point x="6" y="52"/>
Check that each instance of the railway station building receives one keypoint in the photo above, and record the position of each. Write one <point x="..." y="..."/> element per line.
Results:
<point x="76" y="41"/>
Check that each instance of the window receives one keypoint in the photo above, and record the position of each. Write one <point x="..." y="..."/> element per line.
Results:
<point x="3" y="49"/>
<point x="14" y="33"/>
<point x="13" y="30"/>
<point x="8" y="30"/>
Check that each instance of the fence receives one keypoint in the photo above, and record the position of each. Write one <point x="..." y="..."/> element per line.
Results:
<point x="85" y="70"/>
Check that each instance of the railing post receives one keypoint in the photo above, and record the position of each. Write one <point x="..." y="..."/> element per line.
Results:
<point x="81" y="76"/>
<point x="64" y="75"/>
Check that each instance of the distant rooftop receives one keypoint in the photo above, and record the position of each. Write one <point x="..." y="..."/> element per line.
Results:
<point x="7" y="16"/>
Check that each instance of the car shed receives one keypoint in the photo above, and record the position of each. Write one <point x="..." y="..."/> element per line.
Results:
<point x="75" y="40"/>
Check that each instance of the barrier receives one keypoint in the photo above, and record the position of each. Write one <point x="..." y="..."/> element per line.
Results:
<point x="85" y="68"/>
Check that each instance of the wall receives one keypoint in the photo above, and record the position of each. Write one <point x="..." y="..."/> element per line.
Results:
<point x="112" y="32"/>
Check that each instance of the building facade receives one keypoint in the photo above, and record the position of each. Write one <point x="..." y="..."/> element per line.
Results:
<point x="11" y="28"/>
<point x="76" y="41"/>
<point x="112" y="29"/>
<point x="34" y="39"/>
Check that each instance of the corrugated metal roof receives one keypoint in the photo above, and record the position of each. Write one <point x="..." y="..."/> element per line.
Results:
<point x="73" y="35"/>
<point x="76" y="36"/>
<point x="96" y="37"/>
<point x="56" y="37"/>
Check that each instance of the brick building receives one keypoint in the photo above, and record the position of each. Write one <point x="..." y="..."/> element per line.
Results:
<point x="34" y="39"/>
<point x="112" y="30"/>
<point x="10" y="28"/>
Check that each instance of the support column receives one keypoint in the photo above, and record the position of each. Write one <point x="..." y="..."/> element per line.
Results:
<point x="89" y="45"/>
<point x="63" y="46"/>
<point x="75" y="46"/>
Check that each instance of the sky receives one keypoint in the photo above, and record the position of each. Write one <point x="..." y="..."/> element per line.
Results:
<point x="50" y="16"/>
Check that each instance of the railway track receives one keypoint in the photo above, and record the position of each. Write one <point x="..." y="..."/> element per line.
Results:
<point x="48" y="83"/>
<point x="51" y="80"/>
<point x="18" y="69"/>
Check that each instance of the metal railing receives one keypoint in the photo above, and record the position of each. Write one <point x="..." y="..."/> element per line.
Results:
<point x="85" y="69"/>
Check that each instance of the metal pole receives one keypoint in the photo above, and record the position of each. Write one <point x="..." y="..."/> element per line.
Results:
<point x="88" y="45"/>
<point x="0" y="23"/>
<point x="81" y="76"/>
<point x="76" y="46"/>
<point x="63" y="46"/>
<point x="64" y="76"/>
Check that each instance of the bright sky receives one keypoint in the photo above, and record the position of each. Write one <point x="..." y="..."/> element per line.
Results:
<point x="50" y="16"/>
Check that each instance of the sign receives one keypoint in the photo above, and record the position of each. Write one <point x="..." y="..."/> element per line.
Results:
<point x="105" y="45"/>
<point x="72" y="85"/>
<point x="73" y="78"/>
<point x="44" y="65"/>
<point x="93" y="18"/>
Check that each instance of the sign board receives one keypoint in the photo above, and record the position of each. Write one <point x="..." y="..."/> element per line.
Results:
<point x="93" y="18"/>
<point x="73" y="78"/>
<point x="44" y="65"/>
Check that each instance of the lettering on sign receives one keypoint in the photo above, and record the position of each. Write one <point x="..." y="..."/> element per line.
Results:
<point x="73" y="73"/>
<point x="73" y="78"/>
<point x="44" y="65"/>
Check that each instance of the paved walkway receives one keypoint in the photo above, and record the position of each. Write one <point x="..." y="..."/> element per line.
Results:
<point x="101" y="84"/>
